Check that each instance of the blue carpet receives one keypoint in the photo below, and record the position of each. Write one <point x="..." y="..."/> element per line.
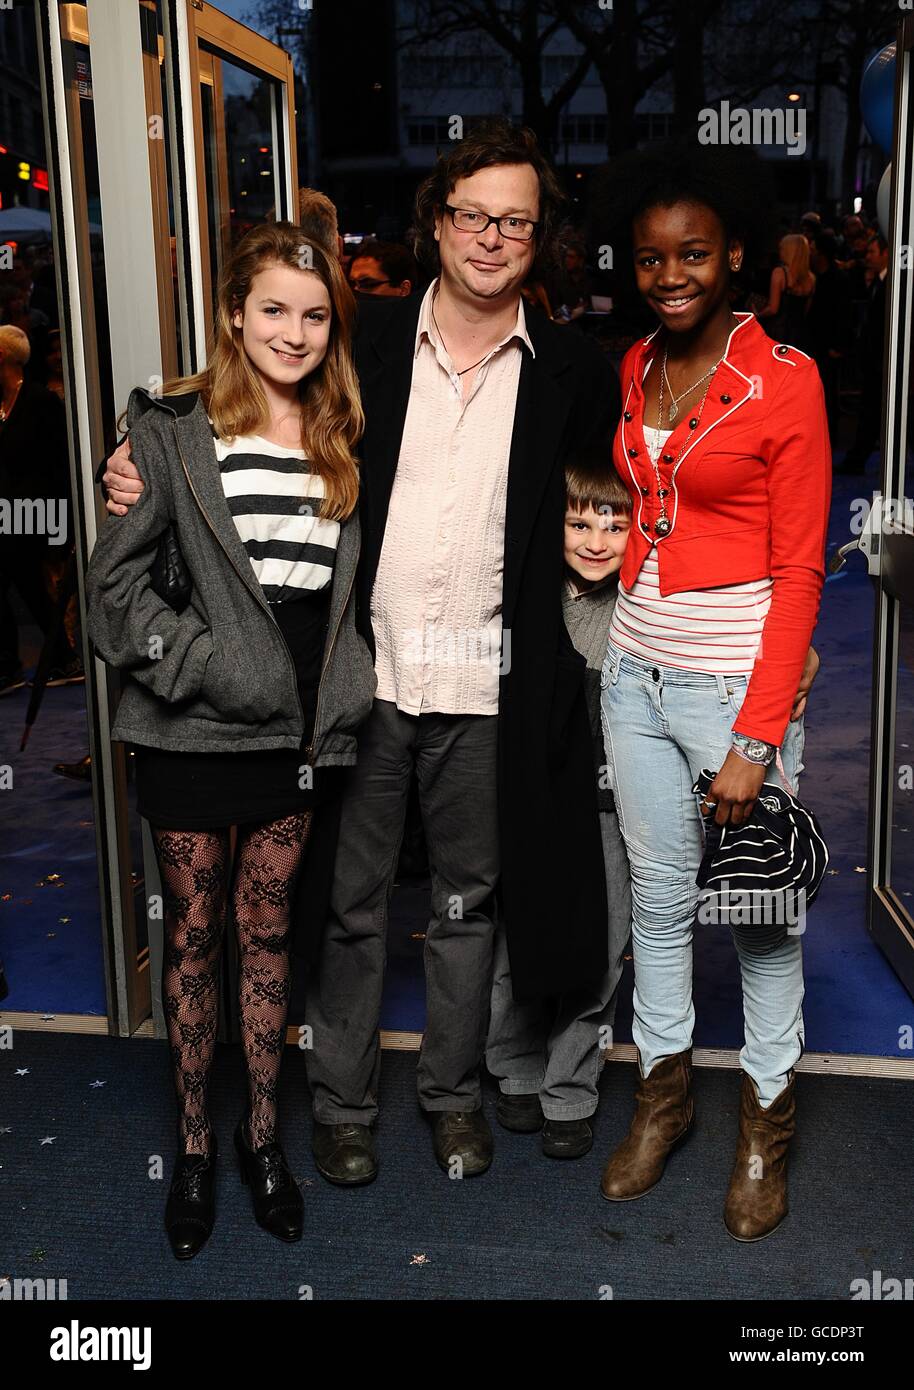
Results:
<point x="50" y="924"/>
<point x="88" y="1207"/>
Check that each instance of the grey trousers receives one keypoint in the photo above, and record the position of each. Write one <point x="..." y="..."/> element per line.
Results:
<point x="555" y="1048"/>
<point x="454" y="756"/>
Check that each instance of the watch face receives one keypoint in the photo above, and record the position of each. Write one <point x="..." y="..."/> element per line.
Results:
<point x="755" y="748"/>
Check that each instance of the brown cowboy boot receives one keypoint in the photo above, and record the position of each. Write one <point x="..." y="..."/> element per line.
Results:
<point x="757" y="1198"/>
<point x="663" y="1117"/>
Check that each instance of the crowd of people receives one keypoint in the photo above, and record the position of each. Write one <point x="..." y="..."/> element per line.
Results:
<point x="827" y="296"/>
<point x="431" y="532"/>
<point x="33" y="423"/>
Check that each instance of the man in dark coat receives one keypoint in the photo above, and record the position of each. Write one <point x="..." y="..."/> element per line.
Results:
<point x="505" y="784"/>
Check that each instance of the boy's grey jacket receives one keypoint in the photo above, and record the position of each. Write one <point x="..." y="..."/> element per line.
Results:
<point x="587" y="618"/>
<point x="217" y="677"/>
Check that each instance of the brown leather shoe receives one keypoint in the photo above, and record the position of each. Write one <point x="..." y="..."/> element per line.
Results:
<point x="462" y="1141"/>
<point x="757" y="1197"/>
<point x="664" y="1112"/>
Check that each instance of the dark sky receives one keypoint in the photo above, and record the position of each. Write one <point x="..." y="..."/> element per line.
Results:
<point x="236" y="8"/>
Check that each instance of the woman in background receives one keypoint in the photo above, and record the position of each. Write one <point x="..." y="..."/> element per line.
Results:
<point x="785" y="317"/>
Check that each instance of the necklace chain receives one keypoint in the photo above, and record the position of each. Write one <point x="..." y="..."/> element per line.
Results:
<point x="4" y="413"/>
<point x="673" y="410"/>
<point x="663" y="525"/>
<point x="447" y="349"/>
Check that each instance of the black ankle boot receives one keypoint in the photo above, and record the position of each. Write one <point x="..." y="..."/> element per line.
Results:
<point x="191" y="1207"/>
<point x="278" y="1205"/>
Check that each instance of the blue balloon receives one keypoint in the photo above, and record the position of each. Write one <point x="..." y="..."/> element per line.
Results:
<point x="877" y="97"/>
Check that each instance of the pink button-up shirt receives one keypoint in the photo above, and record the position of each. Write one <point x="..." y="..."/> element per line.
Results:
<point x="436" y="602"/>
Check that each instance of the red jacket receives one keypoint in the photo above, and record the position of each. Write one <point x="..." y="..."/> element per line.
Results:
<point x="749" y="499"/>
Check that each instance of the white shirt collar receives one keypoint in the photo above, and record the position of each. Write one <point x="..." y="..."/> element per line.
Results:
<point x="426" y="326"/>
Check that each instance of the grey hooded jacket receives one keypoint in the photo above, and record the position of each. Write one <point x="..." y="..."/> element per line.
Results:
<point x="217" y="677"/>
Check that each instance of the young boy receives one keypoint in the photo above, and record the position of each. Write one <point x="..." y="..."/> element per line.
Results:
<point x="547" y="1056"/>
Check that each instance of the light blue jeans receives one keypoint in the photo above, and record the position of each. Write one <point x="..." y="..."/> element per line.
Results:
<point x="661" y="726"/>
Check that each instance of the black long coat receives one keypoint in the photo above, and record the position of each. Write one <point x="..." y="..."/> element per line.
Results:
<point x="553" y="891"/>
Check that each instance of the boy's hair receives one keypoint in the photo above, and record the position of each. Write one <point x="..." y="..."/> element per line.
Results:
<point x="591" y="480"/>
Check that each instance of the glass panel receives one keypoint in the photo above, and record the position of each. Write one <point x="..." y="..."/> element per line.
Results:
<point x="901" y="876"/>
<point x="50" y="918"/>
<point x="239" y="115"/>
<point x="89" y="253"/>
<point x="158" y="118"/>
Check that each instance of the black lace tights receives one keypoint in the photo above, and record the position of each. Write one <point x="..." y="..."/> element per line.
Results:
<point x="194" y="868"/>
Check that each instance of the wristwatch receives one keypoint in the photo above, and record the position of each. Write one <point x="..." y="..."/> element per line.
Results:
<point x="755" y="750"/>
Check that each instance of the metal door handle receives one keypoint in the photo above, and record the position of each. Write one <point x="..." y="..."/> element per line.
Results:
<point x="839" y="559"/>
<point x="868" y="542"/>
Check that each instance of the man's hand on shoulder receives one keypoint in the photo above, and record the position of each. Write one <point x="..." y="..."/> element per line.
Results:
<point x="122" y="481"/>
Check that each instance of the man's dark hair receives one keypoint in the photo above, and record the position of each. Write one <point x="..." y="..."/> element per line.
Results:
<point x="494" y="141"/>
<point x="879" y="240"/>
<point x="733" y="181"/>
<point x="397" y="262"/>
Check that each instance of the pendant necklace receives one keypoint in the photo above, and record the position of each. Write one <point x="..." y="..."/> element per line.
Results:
<point x="663" y="525"/>
<point x="673" y="411"/>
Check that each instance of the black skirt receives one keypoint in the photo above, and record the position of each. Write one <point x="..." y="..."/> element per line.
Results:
<point x="209" y="791"/>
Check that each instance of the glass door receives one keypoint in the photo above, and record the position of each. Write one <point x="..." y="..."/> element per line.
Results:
<point x="891" y="828"/>
<point x="244" y="126"/>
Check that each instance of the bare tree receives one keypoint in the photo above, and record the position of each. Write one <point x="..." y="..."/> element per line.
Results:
<point x="522" y="31"/>
<point x="634" y="45"/>
<point x="854" y="30"/>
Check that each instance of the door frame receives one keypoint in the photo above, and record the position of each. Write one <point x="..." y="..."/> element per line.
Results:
<point x="134" y="212"/>
<point x="889" y="921"/>
<point x="202" y="23"/>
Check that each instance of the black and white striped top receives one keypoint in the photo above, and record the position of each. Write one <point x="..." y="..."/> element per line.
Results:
<point x="275" y="499"/>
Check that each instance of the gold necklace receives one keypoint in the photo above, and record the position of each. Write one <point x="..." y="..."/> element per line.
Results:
<point x="663" y="525"/>
<point x="4" y="413"/>
<point x="673" y="410"/>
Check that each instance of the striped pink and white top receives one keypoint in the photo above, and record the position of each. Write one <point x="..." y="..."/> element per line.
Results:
<point x="712" y="630"/>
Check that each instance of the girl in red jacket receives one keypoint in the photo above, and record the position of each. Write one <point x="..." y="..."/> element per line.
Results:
<point x="724" y="447"/>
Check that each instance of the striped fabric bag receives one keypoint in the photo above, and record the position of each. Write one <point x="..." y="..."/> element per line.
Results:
<point x="765" y="872"/>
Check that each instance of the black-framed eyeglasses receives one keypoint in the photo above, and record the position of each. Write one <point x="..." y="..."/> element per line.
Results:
<point x="512" y="228"/>
<point x="366" y="282"/>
